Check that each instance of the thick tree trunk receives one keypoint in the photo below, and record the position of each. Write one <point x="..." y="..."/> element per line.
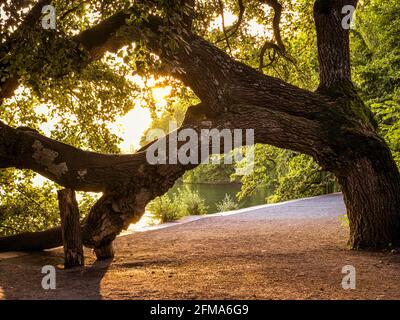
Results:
<point x="332" y="42"/>
<point x="71" y="229"/>
<point x="371" y="189"/>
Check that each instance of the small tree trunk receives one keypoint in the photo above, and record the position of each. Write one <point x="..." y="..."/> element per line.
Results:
<point x="71" y="229"/>
<point x="105" y="252"/>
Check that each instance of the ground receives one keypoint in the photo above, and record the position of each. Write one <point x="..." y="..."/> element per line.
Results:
<point x="293" y="250"/>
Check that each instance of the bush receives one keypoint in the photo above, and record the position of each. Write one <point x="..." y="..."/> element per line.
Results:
<point x="227" y="204"/>
<point x="191" y="202"/>
<point x="344" y="221"/>
<point x="165" y="208"/>
<point x="25" y="207"/>
<point x="181" y="203"/>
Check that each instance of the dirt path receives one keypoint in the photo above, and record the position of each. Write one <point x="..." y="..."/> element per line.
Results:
<point x="294" y="250"/>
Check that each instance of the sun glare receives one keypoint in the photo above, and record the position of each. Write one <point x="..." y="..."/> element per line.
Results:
<point x="160" y="94"/>
<point x="229" y="19"/>
<point x="254" y="28"/>
<point x="131" y="127"/>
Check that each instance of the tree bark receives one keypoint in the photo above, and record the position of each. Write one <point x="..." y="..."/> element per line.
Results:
<point x="367" y="173"/>
<point x="71" y="229"/>
<point x="332" y="43"/>
<point x="371" y="192"/>
<point x="105" y="252"/>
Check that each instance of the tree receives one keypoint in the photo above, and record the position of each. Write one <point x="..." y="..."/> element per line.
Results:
<point x="331" y="124"/>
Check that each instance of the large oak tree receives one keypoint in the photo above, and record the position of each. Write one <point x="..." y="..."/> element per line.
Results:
<point x="331" y="124"/>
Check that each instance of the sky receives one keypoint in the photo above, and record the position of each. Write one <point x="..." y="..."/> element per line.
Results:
<point x="131" y="127"/>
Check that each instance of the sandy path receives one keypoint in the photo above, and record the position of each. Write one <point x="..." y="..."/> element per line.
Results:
<point x="294" y="250"/>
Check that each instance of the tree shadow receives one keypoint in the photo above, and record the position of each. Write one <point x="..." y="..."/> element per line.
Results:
<point x="21" y="277"/>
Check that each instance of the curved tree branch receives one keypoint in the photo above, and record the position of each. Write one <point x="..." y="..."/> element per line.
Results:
<point x="232" y="30"/>
<point x="277" y="46"/>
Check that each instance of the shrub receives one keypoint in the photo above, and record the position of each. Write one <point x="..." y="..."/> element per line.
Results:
<point x="344" y="221"/>
<point x="181" y="203"/>
<point x="227" y="204"/>
<point x="191" y="202"/>
<point x="165" y="208"/>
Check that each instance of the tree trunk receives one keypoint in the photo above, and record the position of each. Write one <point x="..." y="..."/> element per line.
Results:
<point x="71" y="229"/>
<point x="371" y="193"/>
<point x="365" y="169"/>
<point x="105" y="252"/>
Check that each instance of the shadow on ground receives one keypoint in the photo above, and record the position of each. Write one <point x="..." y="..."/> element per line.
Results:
<point x="21" y="277"/>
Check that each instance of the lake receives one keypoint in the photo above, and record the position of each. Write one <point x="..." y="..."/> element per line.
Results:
<point x="214" y="193"/>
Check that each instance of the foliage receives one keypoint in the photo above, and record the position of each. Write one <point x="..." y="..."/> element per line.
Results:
<point x="191" y="202"/>
<point x="170" y="117"/>
<point x="165" y="208"/>
<point x="289" y="174"/>
<point x="183" y="202"/>
<point x="29" y="206"/>
<point x="210" y="173"/>
<point x="25" y="206"/>
<point x="376" y="57"/>
<point x="302" y="178"/>
<point x="388" y="115"/>
<point x="227" y="204"/>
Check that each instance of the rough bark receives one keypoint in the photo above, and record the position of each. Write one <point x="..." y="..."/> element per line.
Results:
<point x="105" y="252"/>
<point x="332" y="125"/>
<point x="332" y="42"/>
<point x="371" y="193"/>
<point x="71" y="229"/>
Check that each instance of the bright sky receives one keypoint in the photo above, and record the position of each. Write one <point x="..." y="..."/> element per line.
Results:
<point x="131" y="127"/>
<point x="255" y="29"/>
